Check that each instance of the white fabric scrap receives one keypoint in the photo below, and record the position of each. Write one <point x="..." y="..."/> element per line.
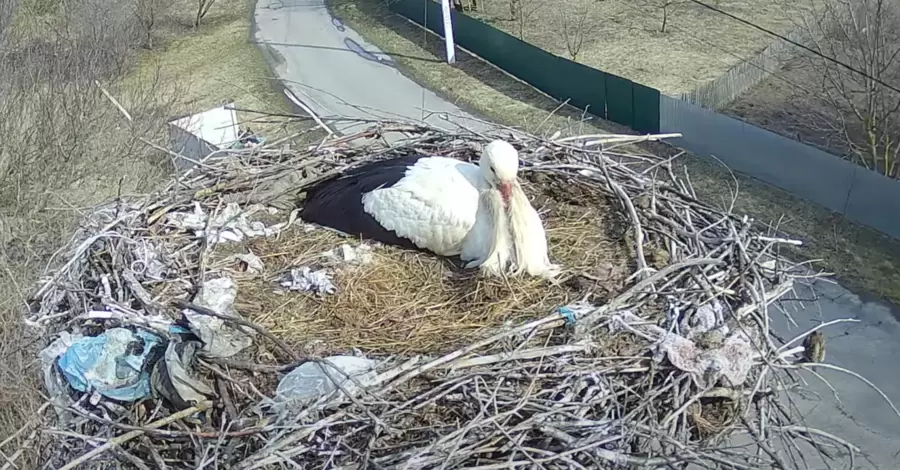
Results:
<point x="220" y="337"/>
<point x="306" y="280"/>
<point x="732" y="361"/>
<point x="346" y="254"/>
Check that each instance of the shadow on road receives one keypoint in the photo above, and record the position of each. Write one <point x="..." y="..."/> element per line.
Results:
<point x="352" y="48"/>
<point x="429" y="69"/>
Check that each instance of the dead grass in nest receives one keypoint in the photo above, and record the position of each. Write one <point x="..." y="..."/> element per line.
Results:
<point x="407" y="302"/>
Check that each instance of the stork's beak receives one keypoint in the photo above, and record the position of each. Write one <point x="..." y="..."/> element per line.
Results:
<point x="506" y="192"/>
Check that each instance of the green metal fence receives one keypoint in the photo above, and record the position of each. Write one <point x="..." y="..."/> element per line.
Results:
<point x="602" y="94"/>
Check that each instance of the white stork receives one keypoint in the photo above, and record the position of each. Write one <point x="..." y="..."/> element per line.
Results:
<point x="443" y="205"/>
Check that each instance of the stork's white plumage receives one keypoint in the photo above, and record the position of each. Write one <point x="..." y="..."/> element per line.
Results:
<point x="442" y="205"/>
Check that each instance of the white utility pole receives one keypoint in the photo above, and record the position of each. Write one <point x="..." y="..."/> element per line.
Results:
<point x="448" y="32"/>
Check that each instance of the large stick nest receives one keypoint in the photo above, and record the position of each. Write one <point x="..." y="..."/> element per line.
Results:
<point x="652" y="349"/>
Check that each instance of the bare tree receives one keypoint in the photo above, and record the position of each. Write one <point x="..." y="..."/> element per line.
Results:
<point x="667" y="6"/>
<point x="521" y="12"/>
<point x="148" y="13"/>
<point x="203" y="7"/>
<point x="576" y="28"/>
<point x="856" y="109"/>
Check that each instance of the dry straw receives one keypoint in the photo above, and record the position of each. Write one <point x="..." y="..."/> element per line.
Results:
<point x="474" y="373"/>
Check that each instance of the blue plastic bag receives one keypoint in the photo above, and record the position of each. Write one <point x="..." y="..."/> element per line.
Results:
<point x="104" y="363"/>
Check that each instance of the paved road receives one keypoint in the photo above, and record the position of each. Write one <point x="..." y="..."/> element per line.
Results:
<point x="337" y="73"/>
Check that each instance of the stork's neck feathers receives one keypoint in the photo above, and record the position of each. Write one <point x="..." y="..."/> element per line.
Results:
<point x="518" y="241"/>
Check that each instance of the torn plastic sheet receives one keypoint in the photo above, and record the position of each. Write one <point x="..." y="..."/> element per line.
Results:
<point x="353" y="255"/>
<point x="308" y="382"/>
<point x="53" y="381"/>
<point x="111" y="363"/>
<point x="232" y="224"/>
<point x="306" y="280"/>
<point x="173" y="376"/>
<point x="220" y="338"/>
<point x="148" y="262"/>
<point x="249" y="263"/>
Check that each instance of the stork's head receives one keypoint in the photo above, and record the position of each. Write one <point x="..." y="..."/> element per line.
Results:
<point x="500" y="166"/>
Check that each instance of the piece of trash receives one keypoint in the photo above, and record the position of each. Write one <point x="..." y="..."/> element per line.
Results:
<point x="708" y="317"/>
<point x="308" y="382"/>
<point x="159" y="324"/>
<point x="732" y="360"/>
<point x="173" y="376"/>
<point x="306" y="280"/>
<point x="111" y="364"/>
<point x="147" y="262"/>
<point x="53" y="381"/>
<point x="232" y="224"/>
<point x="252" y="263"/>
<point x="220" y="337"/>
<point x="346" y="254"/>
<point x="574" y="311"/>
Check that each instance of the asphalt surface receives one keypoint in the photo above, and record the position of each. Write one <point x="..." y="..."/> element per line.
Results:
<point x="334" y="71"/>
<point x="337" y="73"/>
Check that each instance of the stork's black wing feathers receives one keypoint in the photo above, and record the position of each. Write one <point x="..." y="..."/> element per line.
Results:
<point x="337" y="202"/>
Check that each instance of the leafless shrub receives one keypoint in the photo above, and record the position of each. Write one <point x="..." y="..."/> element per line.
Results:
<point x="576" y="28"/>
<point x="856" y="110"/>
<point x="148" y="13"/>
<point x="667" y="7"/>
<point x="522" y="12"/>
<point x="203" y="7"/>
<point x="63" y="146"/>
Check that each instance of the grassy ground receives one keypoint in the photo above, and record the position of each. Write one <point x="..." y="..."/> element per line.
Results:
<point x="862" y="259"/>
<point x="625" y="37"/>
<point x="209" y="65"/>
<point x="212" y="64"/>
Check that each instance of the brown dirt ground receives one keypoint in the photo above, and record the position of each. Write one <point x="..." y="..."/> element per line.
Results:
<point x="783" y="103"/>
<point x="862" y="259"/>
<point x="623" y="37"/>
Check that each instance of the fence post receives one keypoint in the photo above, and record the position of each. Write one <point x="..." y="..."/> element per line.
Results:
<point x="448" y="32"/>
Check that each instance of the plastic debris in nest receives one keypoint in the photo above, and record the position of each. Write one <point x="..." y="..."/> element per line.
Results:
<point x="731" y="359"/>
<point x="309" y="381"/>
<point x="249" y="263"/>
<point x="349" y="255"/>
<point x="305" y="279"/>
<point x="54" y="382"/>
<point x="173" y="376"/>
<point x="148" y="263"/>
<point x="219" y="337"/>
<point x="232" y="224"/>
<point x="112" y="363"/>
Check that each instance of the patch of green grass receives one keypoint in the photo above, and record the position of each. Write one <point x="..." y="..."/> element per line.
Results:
<point x="861" y="259"/>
